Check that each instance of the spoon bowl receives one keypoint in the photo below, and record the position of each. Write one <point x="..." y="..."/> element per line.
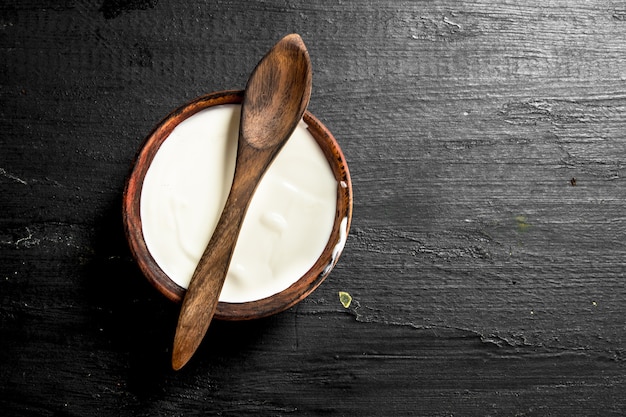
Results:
<point x="277" y="94"/>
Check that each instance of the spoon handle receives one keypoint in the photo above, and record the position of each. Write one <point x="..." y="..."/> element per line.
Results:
<point x="200" y="301"/>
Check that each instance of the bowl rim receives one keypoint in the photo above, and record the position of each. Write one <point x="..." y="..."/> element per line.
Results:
<point x="273" y="304"/>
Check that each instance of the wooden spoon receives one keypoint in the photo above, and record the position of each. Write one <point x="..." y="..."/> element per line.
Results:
<point x="274" y="101"/>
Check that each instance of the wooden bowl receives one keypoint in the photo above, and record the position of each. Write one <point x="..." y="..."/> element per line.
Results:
<point x="252" y="309"/>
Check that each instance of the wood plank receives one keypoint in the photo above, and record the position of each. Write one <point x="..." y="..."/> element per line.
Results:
<point x="486" y="142"/>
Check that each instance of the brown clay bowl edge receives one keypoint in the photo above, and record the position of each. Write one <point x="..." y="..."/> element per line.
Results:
<point x="252" y="309"/>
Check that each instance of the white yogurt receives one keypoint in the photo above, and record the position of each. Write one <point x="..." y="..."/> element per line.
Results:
<point x="288" y="223"/>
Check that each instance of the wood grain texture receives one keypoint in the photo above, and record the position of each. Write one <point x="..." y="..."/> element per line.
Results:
<point x="483" y="281"/>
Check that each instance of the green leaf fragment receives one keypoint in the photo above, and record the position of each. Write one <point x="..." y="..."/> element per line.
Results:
<point x="345" y="299"/>
<point x="522" y="223"/>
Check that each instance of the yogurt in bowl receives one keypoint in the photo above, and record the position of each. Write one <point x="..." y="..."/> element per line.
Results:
<point x="294" y="229"/>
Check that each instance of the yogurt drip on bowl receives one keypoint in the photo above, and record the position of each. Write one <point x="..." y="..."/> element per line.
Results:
<point x="288" y="222"/>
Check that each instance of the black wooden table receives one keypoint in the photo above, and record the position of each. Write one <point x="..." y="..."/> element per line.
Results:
<point x="486" y="261"/>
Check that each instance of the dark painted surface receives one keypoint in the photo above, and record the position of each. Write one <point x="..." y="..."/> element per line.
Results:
<point x="487" y="264"/>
